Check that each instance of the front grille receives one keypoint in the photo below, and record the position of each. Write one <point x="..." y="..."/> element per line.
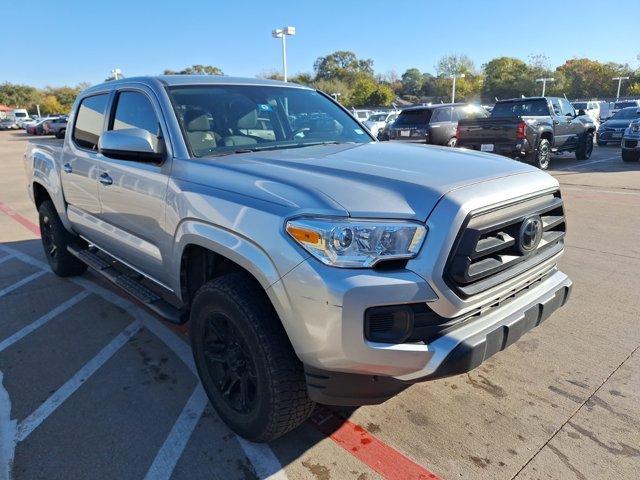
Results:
<point x="488" y="250"/>
<point x="630" y="143"/>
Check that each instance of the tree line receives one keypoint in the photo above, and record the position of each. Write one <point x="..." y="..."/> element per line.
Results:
<point x="354" y="82"/>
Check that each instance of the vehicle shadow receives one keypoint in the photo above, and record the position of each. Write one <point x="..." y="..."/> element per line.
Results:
<point x="211" y="433"/>
<point x="603" y="160"/>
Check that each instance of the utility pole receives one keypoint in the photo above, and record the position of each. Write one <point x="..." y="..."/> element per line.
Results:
<point x="544" y="83"/>
<point x="619" y="80"/>
<point x="282" y="33"/>
<point x="453" y="88"/>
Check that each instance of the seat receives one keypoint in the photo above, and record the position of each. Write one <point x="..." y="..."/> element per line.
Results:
<point x="201" y="138"/>
<point x="246" y="118"/>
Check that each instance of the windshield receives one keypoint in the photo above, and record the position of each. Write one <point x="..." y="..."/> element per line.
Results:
<point x="627" y="114"/>
<point x="418" y="116"/>
<point x="580" y="105"/>
<point x="222" y="119"/>
<point x="379" y="117"/>
<point x="625" y="104"/>
<point x="521" y="108"/>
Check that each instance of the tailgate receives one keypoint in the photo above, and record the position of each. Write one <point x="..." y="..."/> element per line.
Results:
<point x="488" y="130"/>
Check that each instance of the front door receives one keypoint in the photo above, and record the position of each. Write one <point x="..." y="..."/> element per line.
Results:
<point x="561" y="125"/>
<point x="132" y="193"/>
<point x="80" y="164"/>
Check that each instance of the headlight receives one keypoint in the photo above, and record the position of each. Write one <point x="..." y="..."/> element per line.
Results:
<point x="357" y="243"/>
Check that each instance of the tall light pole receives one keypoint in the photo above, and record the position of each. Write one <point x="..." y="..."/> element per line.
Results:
<point x="336" y="95"/>
<point x="544" y="83"/>
<point x="282" y="33"/>
<point x="619" y="79"/>
<point x="116" y="72"/>
<point x="453" y="88"/>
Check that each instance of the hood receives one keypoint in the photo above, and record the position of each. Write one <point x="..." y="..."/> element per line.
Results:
<point x="617" y="123"/>
<point x="378" y="179"/>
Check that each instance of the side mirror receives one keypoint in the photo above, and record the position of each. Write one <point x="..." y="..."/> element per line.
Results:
<point x="581" y="112"/>
<point x="131" y="144"/>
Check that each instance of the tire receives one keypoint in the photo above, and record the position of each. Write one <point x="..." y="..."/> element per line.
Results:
<point x="541" y="157"/>
<point x="630" y="156"/>
<point x="585" y="147"/>
<point x="55" y="240"/>
<point x="452" y="142"/>
<point x="240" y="345"/>
<point x="61" y="133"/>
<point x="602" y="144"/>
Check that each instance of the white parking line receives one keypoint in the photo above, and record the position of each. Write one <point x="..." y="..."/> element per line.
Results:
<point x="171" y="451"/>
<point x="6" y="343"/>
<point x="264" y="462"/>
<point x="7" y="433"/>
<point x="18" y="284"/>
<point x="32" y="422"/>
<point x="582" y="165"/>
<point x="5" y="258"/>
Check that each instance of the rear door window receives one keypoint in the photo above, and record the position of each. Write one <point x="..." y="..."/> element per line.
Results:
<point x="441" y="115"/>
<point x="418" y="116"/>
<point x="90" y="121"/>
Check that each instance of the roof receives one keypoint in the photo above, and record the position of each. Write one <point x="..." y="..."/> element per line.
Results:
<point x="435" y="105"/>
<point x="180" y="80"/>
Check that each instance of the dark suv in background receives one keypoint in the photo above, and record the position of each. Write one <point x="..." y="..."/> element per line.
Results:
<point x="613" y="129"/>
<point x="434" y="124"/>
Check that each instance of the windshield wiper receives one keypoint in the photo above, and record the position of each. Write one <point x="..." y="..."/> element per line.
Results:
<point x="274" y="147"/>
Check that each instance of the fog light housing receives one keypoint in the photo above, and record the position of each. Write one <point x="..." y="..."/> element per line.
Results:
<point x="392" y="324"/>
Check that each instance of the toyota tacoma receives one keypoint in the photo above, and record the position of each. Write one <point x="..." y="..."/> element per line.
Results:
<point x="313" y="263"/>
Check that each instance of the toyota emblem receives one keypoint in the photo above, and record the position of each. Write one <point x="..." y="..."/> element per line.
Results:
<point x="530" y="234"/>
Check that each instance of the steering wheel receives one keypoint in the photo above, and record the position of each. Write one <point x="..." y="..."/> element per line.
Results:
<point x="298" y="133"/>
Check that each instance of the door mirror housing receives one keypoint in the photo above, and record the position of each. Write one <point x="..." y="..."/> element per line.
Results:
<point x="581" y="112"/>
<point x="133" y="144"/>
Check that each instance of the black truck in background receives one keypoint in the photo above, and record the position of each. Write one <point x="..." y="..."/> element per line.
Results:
<point x="530" y="129"/>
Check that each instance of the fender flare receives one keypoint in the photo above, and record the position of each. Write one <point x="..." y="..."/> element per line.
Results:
<point x="47" y="174"/>
<point x="240" y="250"/>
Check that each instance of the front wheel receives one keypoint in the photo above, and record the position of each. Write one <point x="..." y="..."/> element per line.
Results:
<point x="542" y="155"/>
<point x="585" y="147"/>
<point x="245" y="360"/>
<point x="630" y="156"/>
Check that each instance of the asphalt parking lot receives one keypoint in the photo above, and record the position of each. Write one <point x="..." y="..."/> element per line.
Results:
<point x="93" y="386"/>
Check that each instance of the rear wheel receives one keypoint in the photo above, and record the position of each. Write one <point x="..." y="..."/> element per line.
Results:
<point x="585" y="147"/>
<point x="630" y="156"/>
<point x="542" y="155"/>
<point x="61" y="133"/>
<point x="55" y="240"/>
<point x="245" y="360"/>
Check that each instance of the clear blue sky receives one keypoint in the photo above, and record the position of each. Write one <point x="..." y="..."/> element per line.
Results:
<point x="74" y="41"/>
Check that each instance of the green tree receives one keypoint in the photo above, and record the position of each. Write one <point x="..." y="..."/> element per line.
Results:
<point x="412" y="81"/>
<point x="369" y="93"/>
<point x="342" y="65"/>
<point x="15" y="95"/>
<point x="507" y="77"/>
<point x="51" y="105"/>
<point x="335" y="86"/>
<point x="196" y="70"/>
<point x="586" y="78"/>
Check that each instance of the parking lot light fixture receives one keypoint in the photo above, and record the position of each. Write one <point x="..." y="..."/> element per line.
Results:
<point x="335" y="96"/>
<point x="619" y="80"/>
<point x="453" y="87"/>
<point x="544" y="83"/>
<point x="282" y="33"/>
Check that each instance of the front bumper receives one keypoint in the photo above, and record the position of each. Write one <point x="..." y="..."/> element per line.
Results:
<point x="631" y="143"/>
<point x="609" y="136"/>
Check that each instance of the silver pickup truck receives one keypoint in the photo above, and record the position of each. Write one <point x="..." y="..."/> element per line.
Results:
<point x="313" y="263"/>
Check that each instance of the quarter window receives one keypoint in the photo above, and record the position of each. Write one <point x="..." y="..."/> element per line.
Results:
<point x="441" y="115"/>
<point x="134" y="110"/>
<point x="89" y="121"/>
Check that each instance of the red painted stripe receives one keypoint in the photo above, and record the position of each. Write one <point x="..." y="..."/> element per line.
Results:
<point x="360" y="443"/>
<point x="379" y="456"/>
<point x="22" y="220"/>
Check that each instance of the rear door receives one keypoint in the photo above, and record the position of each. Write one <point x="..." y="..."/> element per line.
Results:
<point x="132" y="193"/>
<point x="441" y="130"/>
<point x="80" y="163"/>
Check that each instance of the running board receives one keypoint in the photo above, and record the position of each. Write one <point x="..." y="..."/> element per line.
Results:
<point x="133" y="287"/>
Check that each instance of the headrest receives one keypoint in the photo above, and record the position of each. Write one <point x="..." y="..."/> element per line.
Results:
<point x="196" y="120"/>
<point x="244" y="112"/>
